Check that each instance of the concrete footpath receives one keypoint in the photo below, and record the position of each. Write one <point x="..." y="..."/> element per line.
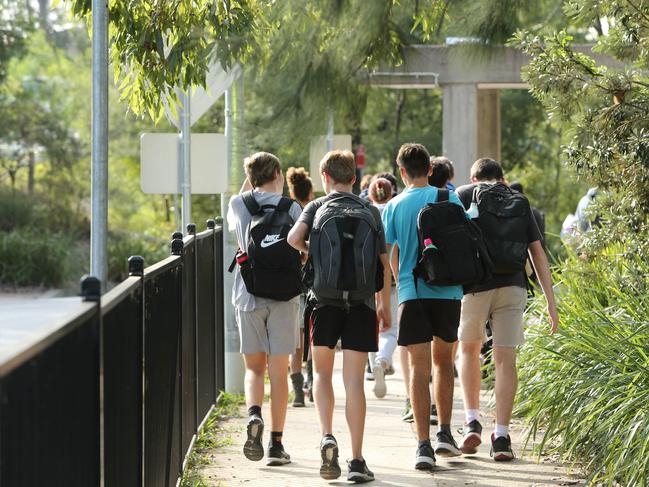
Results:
<point x="389" y="449"/>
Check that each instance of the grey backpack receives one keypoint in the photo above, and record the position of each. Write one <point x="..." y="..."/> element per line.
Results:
<point x="344" y="251"/>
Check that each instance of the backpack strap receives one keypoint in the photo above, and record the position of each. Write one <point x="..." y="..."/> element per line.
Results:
<point x="251" y="203"/>
<point x="442" y="195"/>
<point x="284" y="204"/>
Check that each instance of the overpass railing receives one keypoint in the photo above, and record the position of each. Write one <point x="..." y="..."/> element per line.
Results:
<point x="112" y="390"/>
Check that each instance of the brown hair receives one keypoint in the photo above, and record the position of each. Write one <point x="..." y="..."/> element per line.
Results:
<point x="366" y="180"/>
<point x="261" y="168"/>
<point x="340" y="165"/>
<point x="487" y="169"/>
<point x="414" y="158"/>
<point x="380" y="191"/>
<point x="441" y="173"/>
<point x="299" y="183"/>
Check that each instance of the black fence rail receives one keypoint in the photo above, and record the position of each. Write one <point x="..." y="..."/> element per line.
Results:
<point x="114" y="389"/>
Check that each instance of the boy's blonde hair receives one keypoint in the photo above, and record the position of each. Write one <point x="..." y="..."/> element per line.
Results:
<point x="261" y="168"/>
<point x="340" y="165"/>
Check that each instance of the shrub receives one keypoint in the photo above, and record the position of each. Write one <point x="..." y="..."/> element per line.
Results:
<point x="16" y="210"/>
<point x="31" y="258"/>
<point x="585" y="390"/>
<point x="123" y="245"/>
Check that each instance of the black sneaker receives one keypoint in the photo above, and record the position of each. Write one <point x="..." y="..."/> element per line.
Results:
<point x="408" y="415"/>
<point x="433" y="414"/>
<point x="329" y="469"/>
<point x="446" y="446"/>
<point x="358" y="471"/>
<point x="252" y="448"/>
<point x="501" y="448"/>
<point x="472" y="437"/>
<point x="277" y="455"/>
<point x="425" y="457"/>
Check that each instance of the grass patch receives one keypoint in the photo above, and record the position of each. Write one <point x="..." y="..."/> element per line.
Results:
<point x="213" y="436"/>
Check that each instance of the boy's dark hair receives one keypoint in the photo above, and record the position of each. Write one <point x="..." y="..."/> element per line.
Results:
<point x="340" y="165"/>
<point x="441" y="173"/>
<point x="299" y="183"/>
<point x="390" y="177"/>
<point x="451" y="169"/>
<point x="261" y="168"/>
<point x="414" y="158"/>
<point x="487" y="169"/>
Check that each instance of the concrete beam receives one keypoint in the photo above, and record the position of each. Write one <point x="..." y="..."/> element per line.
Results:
<point x="426" y="66"/>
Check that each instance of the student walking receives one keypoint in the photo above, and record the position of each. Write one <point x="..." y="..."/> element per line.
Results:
<point x="265" y="295"/>
<point x="426" y="313"/>
<point x="300" y="187"/>
<point x="511" y="234"/>
<point x="345" y="238"/>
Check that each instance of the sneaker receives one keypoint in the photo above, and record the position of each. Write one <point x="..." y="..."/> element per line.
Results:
<point x="433" y="414"/>
<point x="277" y="456"/>
<point x="252" y="448"/>
<point x="408" y="415"/>
<point x="329" y="469"/>
<point x="446" y="446"/>
<point x="379" y="380"/>
<point x="358" y="471"/>
<point x="298" y="390"/>
<point x="501" y="448"/>
<point x="425" y="457"/>
<point x="472" y="438"/>
<point x="368" y="372"/>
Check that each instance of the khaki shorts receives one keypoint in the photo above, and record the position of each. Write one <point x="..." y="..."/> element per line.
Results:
<point x="272" y="329"/>
<point x="504" y="307"/>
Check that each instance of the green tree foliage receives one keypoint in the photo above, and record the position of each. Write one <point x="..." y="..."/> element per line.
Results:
<point x="16" y="23"/>
<point x="607" y="108"/>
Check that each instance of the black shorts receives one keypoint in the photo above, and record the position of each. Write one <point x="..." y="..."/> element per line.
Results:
<point x="358" y="328"/>
<point x="421" y="319"/>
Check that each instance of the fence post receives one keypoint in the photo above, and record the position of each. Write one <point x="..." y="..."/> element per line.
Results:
<point x="90" y="288"/>
<point x="191" y="230"/>
<point x="211" y="225"/>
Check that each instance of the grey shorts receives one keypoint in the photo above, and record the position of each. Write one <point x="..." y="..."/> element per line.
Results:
<point x="271" y="329"/>
<point x="503" y="306"/>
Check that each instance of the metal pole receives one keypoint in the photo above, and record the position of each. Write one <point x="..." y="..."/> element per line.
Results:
<point x="99" y="170"/>
<point x="234" y="369"/>
<point x="330" y="131"/>
<point x="185" y="157"/>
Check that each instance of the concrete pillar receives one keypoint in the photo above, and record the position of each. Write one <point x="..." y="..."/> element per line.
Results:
<point x="489" y="124"/>
<point x="460" y="127"/>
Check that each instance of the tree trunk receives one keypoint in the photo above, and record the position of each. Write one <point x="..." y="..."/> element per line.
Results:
<point x="31" y="164"/>
<point x="401" y="103"/>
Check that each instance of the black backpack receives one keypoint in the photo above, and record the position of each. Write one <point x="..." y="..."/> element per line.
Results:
<point x="503" y="218"/>
<point x="270" y="267"/>
<point x="344" y="252"/>
<point x="451" y="248"/>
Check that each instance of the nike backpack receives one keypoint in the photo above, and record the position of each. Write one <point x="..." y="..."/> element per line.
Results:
<point x="451" y="248"/>
<point x="270" y="267"/>
<point x="344" y="252"/>
<point x="503" y="217"/>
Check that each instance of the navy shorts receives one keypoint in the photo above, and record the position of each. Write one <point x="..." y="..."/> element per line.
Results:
<point x="422" y="319"/>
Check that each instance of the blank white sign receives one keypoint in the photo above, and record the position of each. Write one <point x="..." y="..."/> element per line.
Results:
<point x="159" y="163"/>
<point x="317" y="152"/>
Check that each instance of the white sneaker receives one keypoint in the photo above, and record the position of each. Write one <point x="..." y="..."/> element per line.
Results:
<point x="379" y="380"/>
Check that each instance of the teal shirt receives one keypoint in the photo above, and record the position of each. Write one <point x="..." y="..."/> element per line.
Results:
<point x="400" y="222"/>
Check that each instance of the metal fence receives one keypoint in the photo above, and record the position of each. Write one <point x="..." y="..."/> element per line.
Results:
<point x="113" y="389"/>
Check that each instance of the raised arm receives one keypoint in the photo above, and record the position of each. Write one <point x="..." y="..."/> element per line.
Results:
<point x="542" y="268"/>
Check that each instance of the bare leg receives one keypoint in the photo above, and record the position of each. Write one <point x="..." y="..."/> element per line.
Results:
<point x="470" y="374"/>
<point x="296" y="358"/>
<point x="277" y="366"/>
<point x="353" y="374"/>
<point x="405" y="368"/>
<point x="323" y="391"/>
<point x="444" y="379"/>
<point x="420" y="363"/>
<point x="432" y="376"/>
<point x="254" y="380"/>
<point x="506" y="383"/>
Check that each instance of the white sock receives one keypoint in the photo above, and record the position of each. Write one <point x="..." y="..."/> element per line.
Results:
<point x="471" y="415"/>
<point x="501" y="430"/>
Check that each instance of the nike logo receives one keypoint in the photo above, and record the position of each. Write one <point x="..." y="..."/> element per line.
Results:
<point x="270" y="240"/>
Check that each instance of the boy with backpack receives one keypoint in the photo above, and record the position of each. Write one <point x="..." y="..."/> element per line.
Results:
<point x="344" y="237"/>
<point x="427" y="313"/>
<point x="265" y="294"/>
<point x="510" y="234"/>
